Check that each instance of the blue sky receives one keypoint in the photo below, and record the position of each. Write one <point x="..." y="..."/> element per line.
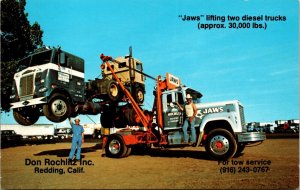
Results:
<point x="258" y="67"/>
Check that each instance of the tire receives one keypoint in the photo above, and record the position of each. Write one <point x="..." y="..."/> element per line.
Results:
<point x="129" y="149"/>
<point x="74" y="111"/>
<point x="113" y="90"/>
<point x="58" y="109"/>
<point x="240" y="148"/>
<point x="115" y="147"/>
<point x="220" y="144"/>
<point x="26" y="116"/>
<point x="106" y="119"/>
<point x="141" y="149"/>
<point x="139" y="95"/>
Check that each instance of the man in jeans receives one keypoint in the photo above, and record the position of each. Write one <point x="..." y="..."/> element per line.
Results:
<point x="190" y="113"/>
<point x="77" y="139"/>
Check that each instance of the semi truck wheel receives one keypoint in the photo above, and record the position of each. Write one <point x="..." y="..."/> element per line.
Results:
<point x="58" y="109"/>
<point x="113" y="90"/>
<point x="220" y="144"/>
<point x="139" y="95"/>
<point x="106" y="120"/>
<point x="115" y="147"/>
<point x="26" y="116"/>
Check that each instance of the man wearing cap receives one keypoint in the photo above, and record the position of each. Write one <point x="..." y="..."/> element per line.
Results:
<point x="190" y="113"/>
<point x="77" y="139"/>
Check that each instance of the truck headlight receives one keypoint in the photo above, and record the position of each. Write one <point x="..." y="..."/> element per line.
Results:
<point x="12" y="96"/>
<point x="43" y="89"/>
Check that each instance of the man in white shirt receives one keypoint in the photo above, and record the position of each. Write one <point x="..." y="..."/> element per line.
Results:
<point x="190" y="113"/>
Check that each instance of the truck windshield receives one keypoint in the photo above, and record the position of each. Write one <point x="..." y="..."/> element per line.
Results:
<point x="139" y="66"/>
<point x="36" y="59"/>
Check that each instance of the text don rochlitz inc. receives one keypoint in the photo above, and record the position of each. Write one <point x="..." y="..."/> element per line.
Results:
<point x="61" y="166"/>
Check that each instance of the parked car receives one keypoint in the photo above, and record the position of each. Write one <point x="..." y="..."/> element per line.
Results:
<point x="63" y="133"/>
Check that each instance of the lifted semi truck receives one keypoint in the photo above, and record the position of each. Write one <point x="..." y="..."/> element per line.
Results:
<point x="52" y="85"/>
<point x="220" y="126"/>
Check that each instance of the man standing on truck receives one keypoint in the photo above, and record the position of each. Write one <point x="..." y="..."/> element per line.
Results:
<point x="190" y="113"/>
<point x="77" y="139"/>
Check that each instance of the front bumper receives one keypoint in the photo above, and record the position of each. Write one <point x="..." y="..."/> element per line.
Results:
<point x="251" y="137"/>
<point x="30" y="102"/>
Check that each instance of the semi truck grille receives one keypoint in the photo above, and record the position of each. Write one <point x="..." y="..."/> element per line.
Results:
<point x="242" y="115"/>
<point x="26" y="86"/>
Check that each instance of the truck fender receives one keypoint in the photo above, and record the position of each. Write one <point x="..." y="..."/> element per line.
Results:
<point x="222" y="116"/>
<point x="60" y="91"/>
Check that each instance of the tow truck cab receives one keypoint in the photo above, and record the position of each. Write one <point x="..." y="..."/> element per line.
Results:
<point x="173" y="117"/>
<point x="228" y="114"/>
<point x="217" y="124"/>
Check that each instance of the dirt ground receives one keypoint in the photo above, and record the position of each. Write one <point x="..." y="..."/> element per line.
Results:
<point x="275" y="165"/>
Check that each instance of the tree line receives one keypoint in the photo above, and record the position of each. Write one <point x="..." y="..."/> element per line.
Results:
<point x="18" y="39"/>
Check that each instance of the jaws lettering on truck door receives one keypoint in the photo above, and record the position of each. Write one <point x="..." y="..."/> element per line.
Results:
<point x="202" y="112"/>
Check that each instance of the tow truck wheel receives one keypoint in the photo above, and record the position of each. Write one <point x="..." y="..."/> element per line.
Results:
<point x="220" y="144"/>
<point x="129" y="149"/>
<point x="58" y="109"/>
<point x="26" y="116"/>
<point x="115" y="147"/>
<point x="240" y="148"/>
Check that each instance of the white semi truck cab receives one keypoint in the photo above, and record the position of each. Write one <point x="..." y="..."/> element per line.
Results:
<point x="51" y="84"/>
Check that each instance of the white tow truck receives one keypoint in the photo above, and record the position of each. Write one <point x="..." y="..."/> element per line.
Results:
<point x="220" y="126"/>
